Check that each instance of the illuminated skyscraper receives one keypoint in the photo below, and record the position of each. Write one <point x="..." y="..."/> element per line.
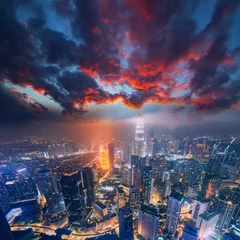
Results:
<point x="226" y="210"/>
<point x="121" y="199"/>
<point x="199" y="207"/>
<point x="134" y="195"/>
<point x="139" y="137"/>
<point x="146" y="184"/>
<point x="50" y="188"/>
<point x="86" y="176"/>
<point x="13" y="191"/>
<point x="173" y="211"/>
<point x="74" y="199"/>
<point x="206" y="222"/>
<point x="137" y="165"/>
<point x="148" y="222"/>
<point x="150" y="135"/>
<point x="126" y="223"/>
<point x="104" y="158"/>
<point x="234" y="234"/>
<point x="111" y="155"/>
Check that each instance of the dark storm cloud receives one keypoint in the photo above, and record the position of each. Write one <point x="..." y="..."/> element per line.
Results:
<point x="223" y="9"/>
<point x="16" y="107"/>
<point x="145" y="45"/>
<point x="11" y="109"/>
<point x="58" y="49"/>
<point x="206" y="67"/>
<point x="64" y="7"/>
<point x="212" y="88"/>
<point x="85" y="19"/>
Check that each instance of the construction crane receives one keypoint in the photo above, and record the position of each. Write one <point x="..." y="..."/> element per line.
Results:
<point x="215" y="146"/>
<point x="226" y="149"/>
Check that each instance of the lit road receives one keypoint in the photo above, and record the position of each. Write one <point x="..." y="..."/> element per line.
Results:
<point x="85" y="235"/>
<point x="51" y="231"/>
<point x="92" y="162"/>
<point x="103" y="177"/>
<point x="36" y="229"/>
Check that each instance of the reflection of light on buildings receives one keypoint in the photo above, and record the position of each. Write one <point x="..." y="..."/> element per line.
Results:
<point x="104" y="160"/>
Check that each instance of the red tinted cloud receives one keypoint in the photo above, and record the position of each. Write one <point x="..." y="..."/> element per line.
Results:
<point x="154" y="47"/>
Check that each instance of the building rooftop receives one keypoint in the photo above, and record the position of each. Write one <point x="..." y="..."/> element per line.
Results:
<point x="10" y="182"/>
<point x="230" y="236"/>
<point x="44" y="170"/>
<point x="190" y="229"/>
<point x="101" y="205"/>
<point x="176" y="195"/>
<point x="149" y="209"/>
<point x="208" y="215"/>
<point x="127" y="210"/>
<point x="203" y="200"/>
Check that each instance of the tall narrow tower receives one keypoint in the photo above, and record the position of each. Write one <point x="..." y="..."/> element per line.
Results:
<point x="139" y="137"/>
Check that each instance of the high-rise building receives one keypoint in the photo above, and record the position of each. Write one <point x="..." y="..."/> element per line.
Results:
<point x="100" y="209"/>
<point x="127" y="175"/>
<point x="226" y="210"/>
<point x="126" y="152"/>
<point x="27" y="188"/>
<point x="95" y="173"/>
<point x="155" y="147"/>
<point x="139" y="137"/>
<point x="86" y="176"/>
<point x="214" y="163"/>
<point x="199" y="207"/>
<point x="126" y="223"/>
<point x="49" y="187"/>
<point x="235" y="198"/>
<point x="155" y="164"/>
<point x="230" y="236"/>
<point x="4" y="197"/>
<point x="193" y="177"/>
<point x="74" y="199"/>
<point x="5" y="231"/>
<point x="121" y="198"/>
<point x="111" y="155"/>
<point x="206" y="223"/>
<point x="163" y="188"/>
<point x="173" y="211"/>
<point x="146" y="184"/>
<point x="236" y="229"/>
<point x="148" y="222"/>
<point x="150" y="135"/>
<point x="104" y="160"/>
<point x="134" y="195"/>
<point x="190" y="232"/>
<point x="137" y="165"/>
<point x="13" y="191"/>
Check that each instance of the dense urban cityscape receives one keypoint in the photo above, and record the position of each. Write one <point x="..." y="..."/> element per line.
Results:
<point x="150" y="186"/>
<point x="120" y="119"/>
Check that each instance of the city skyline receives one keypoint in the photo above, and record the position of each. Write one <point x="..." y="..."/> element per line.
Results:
<point x="120" y="119"/>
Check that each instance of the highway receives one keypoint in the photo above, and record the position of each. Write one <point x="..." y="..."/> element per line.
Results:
<point x="95" y="160"/>
<point x="51" y="231"/>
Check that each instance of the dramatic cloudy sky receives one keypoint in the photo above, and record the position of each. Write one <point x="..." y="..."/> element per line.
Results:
<point x="64" y="60"/>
